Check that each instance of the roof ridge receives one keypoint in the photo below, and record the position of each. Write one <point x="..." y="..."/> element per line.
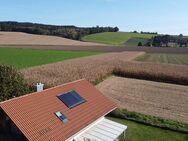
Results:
<point x="75" y="81"/>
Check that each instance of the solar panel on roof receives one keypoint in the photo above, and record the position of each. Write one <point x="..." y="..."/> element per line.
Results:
<point x="71" y="99"/>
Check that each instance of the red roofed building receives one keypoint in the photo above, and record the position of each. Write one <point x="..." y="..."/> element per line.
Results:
<point x="70" y="112"/>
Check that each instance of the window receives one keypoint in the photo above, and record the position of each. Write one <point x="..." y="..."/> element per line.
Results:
<point x="61" y="116"/>
<point x="71" y="99"/>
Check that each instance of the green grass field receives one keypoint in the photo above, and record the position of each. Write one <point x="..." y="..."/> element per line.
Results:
<point x="24" y="58"/>
<point x="114" y="38"/>
<point x="135" y="41"/>
<point x="141" y="132"/>
<point x="164" y="58"/>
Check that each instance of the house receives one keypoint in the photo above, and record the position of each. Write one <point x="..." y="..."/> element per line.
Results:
<point x="172" y="44"/>
<point x="71" y="112"/>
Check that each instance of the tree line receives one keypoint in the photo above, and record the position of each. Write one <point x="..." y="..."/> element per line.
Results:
<point x="71" y="32"/>
<point x="168" y="41"/>
<point x="143" y="32"/>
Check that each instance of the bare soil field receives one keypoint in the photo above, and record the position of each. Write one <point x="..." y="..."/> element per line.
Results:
<point x="103" y="48"/>
<point x="92" y="68"/>
<point x="19" y="38"/>
<point x="152" y="98"/>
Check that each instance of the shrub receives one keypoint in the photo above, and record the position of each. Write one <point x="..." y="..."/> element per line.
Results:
<point x="11" y="83"/>
<point x="150" y="120"/>
<point x="140" y="44"/>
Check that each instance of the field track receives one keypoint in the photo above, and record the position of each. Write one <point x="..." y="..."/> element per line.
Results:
<point x="100" y="48"/>
<point x="151" y="98"/>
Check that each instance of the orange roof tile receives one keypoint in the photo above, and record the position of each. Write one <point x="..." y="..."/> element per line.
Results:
<point x="34" y="114"/>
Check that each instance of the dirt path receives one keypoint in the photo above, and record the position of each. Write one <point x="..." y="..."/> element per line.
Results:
<point x="99" y="48"/>
<point x="153" y="98"/>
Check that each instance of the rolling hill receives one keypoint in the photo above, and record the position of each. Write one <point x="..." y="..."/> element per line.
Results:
<point x="117" y="38"/>
<point x="19" y="38"/>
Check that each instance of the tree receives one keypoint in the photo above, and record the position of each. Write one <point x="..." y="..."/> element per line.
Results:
<point x="116" y="29"/>
<point x="181" y="35"/>
<point x="11" y="83"/>
<point x="140" y="44"/>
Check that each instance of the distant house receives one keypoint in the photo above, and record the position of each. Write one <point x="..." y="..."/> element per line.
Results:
<point x="172" y="44"/>
<point x="70" y="112"/>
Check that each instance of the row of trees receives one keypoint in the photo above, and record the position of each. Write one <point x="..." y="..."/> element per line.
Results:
<point x="169" y="41"/>
<point x="71" y="32"/>
<point x="142" y="32"/>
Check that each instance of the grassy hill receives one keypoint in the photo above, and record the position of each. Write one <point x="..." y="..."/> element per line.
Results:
<point x="116" y="38"/>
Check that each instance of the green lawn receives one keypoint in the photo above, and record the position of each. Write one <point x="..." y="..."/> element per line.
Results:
<point x="141" y="132"/>
<point x="24" y="58"/>
<point x="164" y="58"/>
<point x="114" y="38"/>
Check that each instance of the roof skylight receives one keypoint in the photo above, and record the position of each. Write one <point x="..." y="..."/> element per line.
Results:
<point x="71" y="99"/>
<point x="61" y="116"/>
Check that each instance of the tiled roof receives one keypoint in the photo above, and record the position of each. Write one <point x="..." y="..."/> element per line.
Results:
<point x="34" y="114"/>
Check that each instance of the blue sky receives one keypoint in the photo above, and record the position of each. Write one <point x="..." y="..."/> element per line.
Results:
<point x="163" y="16"/>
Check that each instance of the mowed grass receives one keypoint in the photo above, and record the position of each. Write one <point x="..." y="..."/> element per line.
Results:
<point x="24" y="58"/>
<point x="141" y="132"/>
<point x="164" y="58"/>
<point x="114" y="38"/>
